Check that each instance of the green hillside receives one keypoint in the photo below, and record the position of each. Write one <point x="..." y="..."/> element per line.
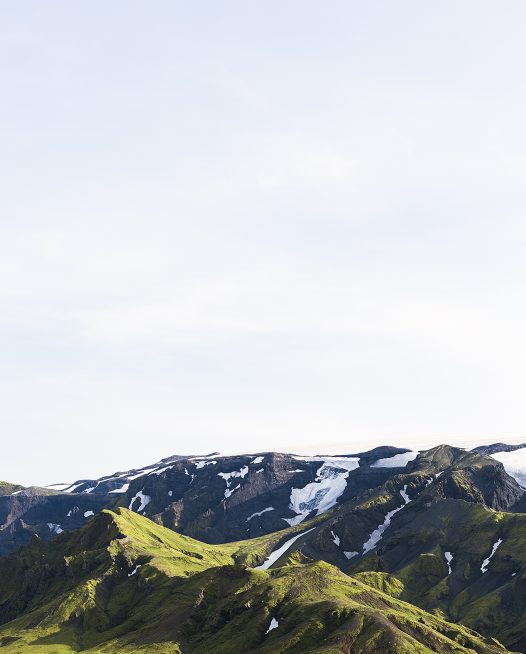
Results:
<point x="6" y="488"/>
<point x="494" y="601"/>
<point x="123" y="584"/>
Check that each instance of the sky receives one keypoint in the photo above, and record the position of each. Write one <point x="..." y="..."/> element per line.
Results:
<point x="246" y="226"/>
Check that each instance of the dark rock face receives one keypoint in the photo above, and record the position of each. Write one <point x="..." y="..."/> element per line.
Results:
<point x="221" y="499"/>
<point x="215" y="499"/>
<point x="25" y="515"/>
<point x="489" y="485"/>
<point x="208" y="504"/>
<point x="470" y="478"/>
<point x="500" y="491"/>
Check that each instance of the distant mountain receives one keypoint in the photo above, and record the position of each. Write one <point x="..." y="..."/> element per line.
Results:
<point x="213" y="498"/>
<point x="497" y="447"/>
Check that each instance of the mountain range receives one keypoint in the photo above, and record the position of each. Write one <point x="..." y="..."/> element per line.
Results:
<point x="385" y="551"/>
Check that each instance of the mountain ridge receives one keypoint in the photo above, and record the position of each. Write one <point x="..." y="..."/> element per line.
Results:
<point x="218" y="604"/>
<point x="398" y="551"/>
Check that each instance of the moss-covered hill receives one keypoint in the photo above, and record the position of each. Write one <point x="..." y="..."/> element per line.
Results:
<point x="124" y="584"/>
<point x="484" y="585"/>
<point x="6" y="488"/>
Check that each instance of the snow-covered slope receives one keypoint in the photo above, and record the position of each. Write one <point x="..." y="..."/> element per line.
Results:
<point x="396" y="461"/>
<point x="323" y="493"/>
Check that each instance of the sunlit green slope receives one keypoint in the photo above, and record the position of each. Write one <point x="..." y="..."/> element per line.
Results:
<point x="123" y="584"/>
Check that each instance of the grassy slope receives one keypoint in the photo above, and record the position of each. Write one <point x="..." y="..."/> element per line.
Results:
<point x="413" y="549"/>
<point x="494" y="602"/>
<point x="7" y="488"/>
<point x="80" y="593"/>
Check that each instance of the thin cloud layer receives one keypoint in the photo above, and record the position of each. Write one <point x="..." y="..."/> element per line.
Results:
<point x="279" y="225"/>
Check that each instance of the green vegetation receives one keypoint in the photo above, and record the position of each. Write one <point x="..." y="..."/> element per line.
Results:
<point x="493" y="602"/>
<point x="7" y="489"/>
<point x="124" y="584"/>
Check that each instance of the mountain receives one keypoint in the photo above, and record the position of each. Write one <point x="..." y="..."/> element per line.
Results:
<point x="445" y="538"/>
<point x="123" y="584"/>
<point x="497" y="447"/>
<point x="356" y="526"/>
<point x="215" y="499"/>
<point x="8" y="489"/>
<point x="388" y="550"/>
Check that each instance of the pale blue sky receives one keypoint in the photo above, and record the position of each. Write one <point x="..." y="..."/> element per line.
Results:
<point x="258" y="225"/>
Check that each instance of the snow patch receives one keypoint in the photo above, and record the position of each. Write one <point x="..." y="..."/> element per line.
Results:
<point x="260" y="470"/>
<point x="55" y="529"/>
<point x="73" y="487"/>
<point x="396" y="461"/>
<point x="323" y="493"/>
<point x="202" y="464"/>
<point x="122" y="489"/>
<point x="449" y="557"/>
<point x="269" y="508"/>
<point x="350" y="555"/>
<point x="134" y="570"/>
<point x="335" y="539"/>
<point x="138" y="474"/>
<point x="274" y="556"/>
<point x="60" y="487"/>
<point x="160" y="470"/>
<point x="145" y="500"/>
<point x="485" y="563"/>
<point x="87" y="514"/>
<point x="187" y="473"/>
<point x="229" y="491"/>
<point x="274" y="624"/>
<point x="377" y="534"/>
<point x="229" y="476"/>
<point x="256" y="460"/>
<point x="90" y="489"/>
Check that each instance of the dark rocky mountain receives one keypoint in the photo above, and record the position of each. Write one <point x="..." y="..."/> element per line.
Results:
<point x="356" y="526"/>
<point x="225" y="498"/>
<point x="213" y="498"/>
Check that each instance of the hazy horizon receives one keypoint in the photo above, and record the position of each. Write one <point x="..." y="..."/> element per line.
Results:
<point x="309" y="449"/>
<point x="258" y="226"/>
